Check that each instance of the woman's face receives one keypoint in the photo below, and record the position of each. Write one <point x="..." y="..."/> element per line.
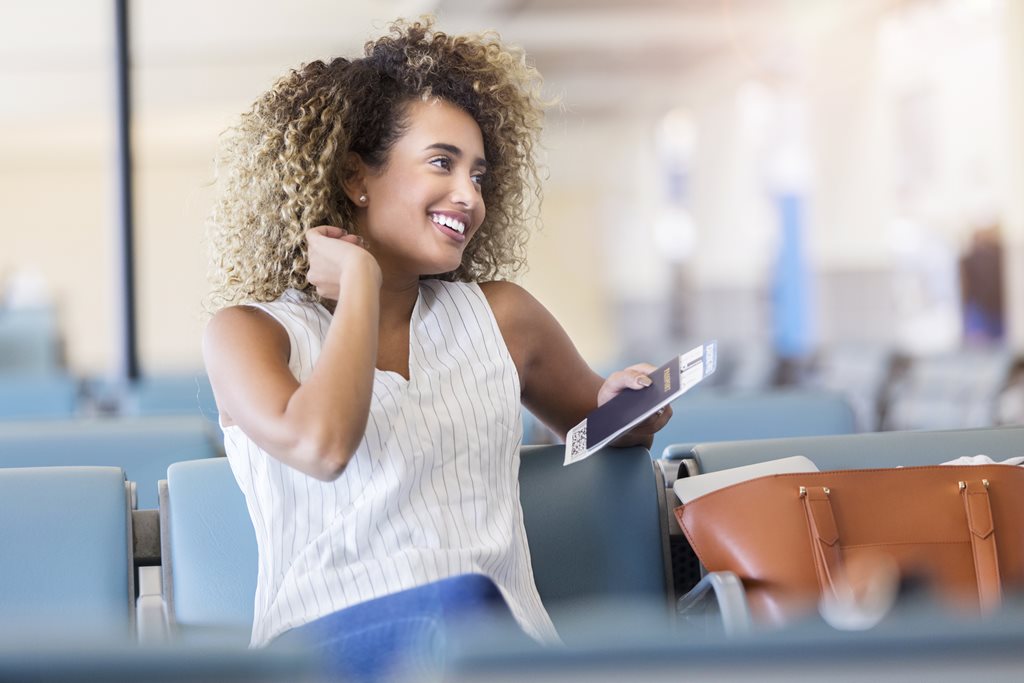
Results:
<point x="425" y="204"/>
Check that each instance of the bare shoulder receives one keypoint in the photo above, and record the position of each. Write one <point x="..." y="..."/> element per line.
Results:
<point x="243" y="325"/>
<point x="240" y="345"/>
<point x="509" y="301"/>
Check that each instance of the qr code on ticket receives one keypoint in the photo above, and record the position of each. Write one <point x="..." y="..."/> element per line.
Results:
<point x="579" y="441"/>
<point x="576" y="443"/>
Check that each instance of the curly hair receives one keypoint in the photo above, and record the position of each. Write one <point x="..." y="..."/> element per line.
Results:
<point x="281" y="167"/>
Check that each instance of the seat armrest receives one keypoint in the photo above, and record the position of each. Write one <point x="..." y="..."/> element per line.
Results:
<point x="677" y="451"/>
<point x="677" y="469"/>
<point x="730" y="597"/>
<point x="150" y="617"/>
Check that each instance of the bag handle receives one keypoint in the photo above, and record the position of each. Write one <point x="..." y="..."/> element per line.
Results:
<point x="824" y="534"/>
<point x="821" y="524"/>
<point x="983" y="542"/>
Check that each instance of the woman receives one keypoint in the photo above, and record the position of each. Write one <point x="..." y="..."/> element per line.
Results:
<point x="367" y="361"/>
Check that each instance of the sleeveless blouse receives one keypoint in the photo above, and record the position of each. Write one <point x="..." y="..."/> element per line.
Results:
<point x="431" y="492"/>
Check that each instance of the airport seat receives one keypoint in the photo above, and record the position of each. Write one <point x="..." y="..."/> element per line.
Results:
<point x="596" y="530"/>
<point x="862" y="451"/>
<point x="96" y="660"/>
<point x="30" y="342"/>
<point x="65" y="552"/>
<point x="37" y="396"/>
<point x="187" y="394"/>
<point x="949" y="391"/>
<point x="208" y="551"/>
<point x="184" y="394"/>
<point x="860" y="372"/>
<point x="714" y="415"/>
<point x="916" y="642"/>
<point x="142" y="447"/>
<point x="836" y="452"/>
<point x="595" y="533"/>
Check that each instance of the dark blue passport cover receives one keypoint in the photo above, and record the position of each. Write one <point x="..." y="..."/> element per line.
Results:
<point x="628" y="406"/>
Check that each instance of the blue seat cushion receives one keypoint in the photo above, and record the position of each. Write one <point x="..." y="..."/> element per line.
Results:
<point x="212" y="546"/>
<point x="594" y="528"/>
<point x="64" y="548"/>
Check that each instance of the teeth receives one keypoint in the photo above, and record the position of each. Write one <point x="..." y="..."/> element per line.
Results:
<point x="450" y="222"/>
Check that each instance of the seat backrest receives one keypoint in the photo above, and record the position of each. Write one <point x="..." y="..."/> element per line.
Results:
<point x="860" y="372"/>
<point x="595" y="532"/>
<point x="30" y="342"/>
<point x="955" y="390"/>
<point x="707" y="416"/>
<point x="595" y="529"/>
<point x="65" y="557"/>
<point x="32" y="397"/>
<point x="142" y="447"/>
<point x="860" y="451"/>
<point x="208" y="550"/>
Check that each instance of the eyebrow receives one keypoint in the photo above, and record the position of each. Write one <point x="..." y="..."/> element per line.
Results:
<point x="455" y="151"/>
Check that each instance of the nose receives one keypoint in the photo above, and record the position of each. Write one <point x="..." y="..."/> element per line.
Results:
<point x="465" y="192"/>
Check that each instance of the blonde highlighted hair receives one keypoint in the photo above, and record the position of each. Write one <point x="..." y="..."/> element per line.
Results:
<point x="281" y="168"/>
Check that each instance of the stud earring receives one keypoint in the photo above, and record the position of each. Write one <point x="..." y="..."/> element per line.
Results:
<point x="363" y="199"/>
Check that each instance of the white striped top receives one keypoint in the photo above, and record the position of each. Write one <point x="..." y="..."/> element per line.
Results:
<point x="432" y="491"/>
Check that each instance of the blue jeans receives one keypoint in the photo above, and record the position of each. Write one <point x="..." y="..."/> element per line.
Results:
<point x="401" y="633"/>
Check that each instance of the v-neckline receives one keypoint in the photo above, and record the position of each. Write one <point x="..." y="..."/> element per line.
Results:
<point x="412" y="326"/>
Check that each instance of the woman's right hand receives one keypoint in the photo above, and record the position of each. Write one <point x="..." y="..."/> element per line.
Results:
<point x="331" y="251"/>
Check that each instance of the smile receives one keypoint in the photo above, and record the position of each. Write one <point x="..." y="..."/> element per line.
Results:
<point x="449" y="222"/>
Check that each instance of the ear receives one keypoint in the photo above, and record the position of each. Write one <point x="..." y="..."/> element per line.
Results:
<point x="354" y="179"/>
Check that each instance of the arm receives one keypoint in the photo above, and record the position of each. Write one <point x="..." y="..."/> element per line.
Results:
<point x="557" y="384"/>
<point x="315" y="426"/>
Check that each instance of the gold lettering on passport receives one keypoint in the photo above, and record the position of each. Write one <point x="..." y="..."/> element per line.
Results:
<point x="668" y="380"/>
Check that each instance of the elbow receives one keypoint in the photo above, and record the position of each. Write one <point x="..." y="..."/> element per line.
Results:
<point x="323" y="448"/>
<point x="329" y="464"/>
<point x="329" y="467"/>
<point x="324" y="460"/>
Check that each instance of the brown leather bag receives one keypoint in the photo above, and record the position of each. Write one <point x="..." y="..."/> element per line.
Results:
<point x="787" y="536"/>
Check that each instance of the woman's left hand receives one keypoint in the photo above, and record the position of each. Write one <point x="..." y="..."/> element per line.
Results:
<point x="631" y="379"/>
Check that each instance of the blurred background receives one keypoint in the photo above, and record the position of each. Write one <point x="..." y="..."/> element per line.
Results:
<point x="831" y="189"/>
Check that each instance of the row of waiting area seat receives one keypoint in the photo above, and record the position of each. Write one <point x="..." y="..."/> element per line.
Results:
<point x="27" y="396"/>
<point x="75" y="549"/>
<point x="888" y="389"/>
<point x="144" y="446"/>
<point x="76" y="555"/>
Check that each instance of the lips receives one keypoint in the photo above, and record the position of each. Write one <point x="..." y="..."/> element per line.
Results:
<point x="451" y="223"/>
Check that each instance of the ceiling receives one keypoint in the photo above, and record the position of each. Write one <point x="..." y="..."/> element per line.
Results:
<point x="603" y="57"/>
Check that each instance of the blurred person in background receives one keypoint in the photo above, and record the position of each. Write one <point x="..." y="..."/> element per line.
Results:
<point x="981" y="283"/>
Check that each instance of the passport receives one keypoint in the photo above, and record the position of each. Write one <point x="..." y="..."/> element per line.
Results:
<point x="606" y="422"/>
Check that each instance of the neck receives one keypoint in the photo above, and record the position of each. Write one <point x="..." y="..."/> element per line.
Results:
<point x="397" y="299"/>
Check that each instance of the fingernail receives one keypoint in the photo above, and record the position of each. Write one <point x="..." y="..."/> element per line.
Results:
<point x="643" y="380"/>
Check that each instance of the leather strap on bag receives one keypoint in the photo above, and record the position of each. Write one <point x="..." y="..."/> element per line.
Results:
<point x="983" y="542"/>
<point x="825" y="549"/>
<point x="821" y="524"/>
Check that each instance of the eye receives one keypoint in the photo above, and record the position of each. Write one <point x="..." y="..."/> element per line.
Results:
<point x="442" y="162"/>
<point x="478" y="178"/>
